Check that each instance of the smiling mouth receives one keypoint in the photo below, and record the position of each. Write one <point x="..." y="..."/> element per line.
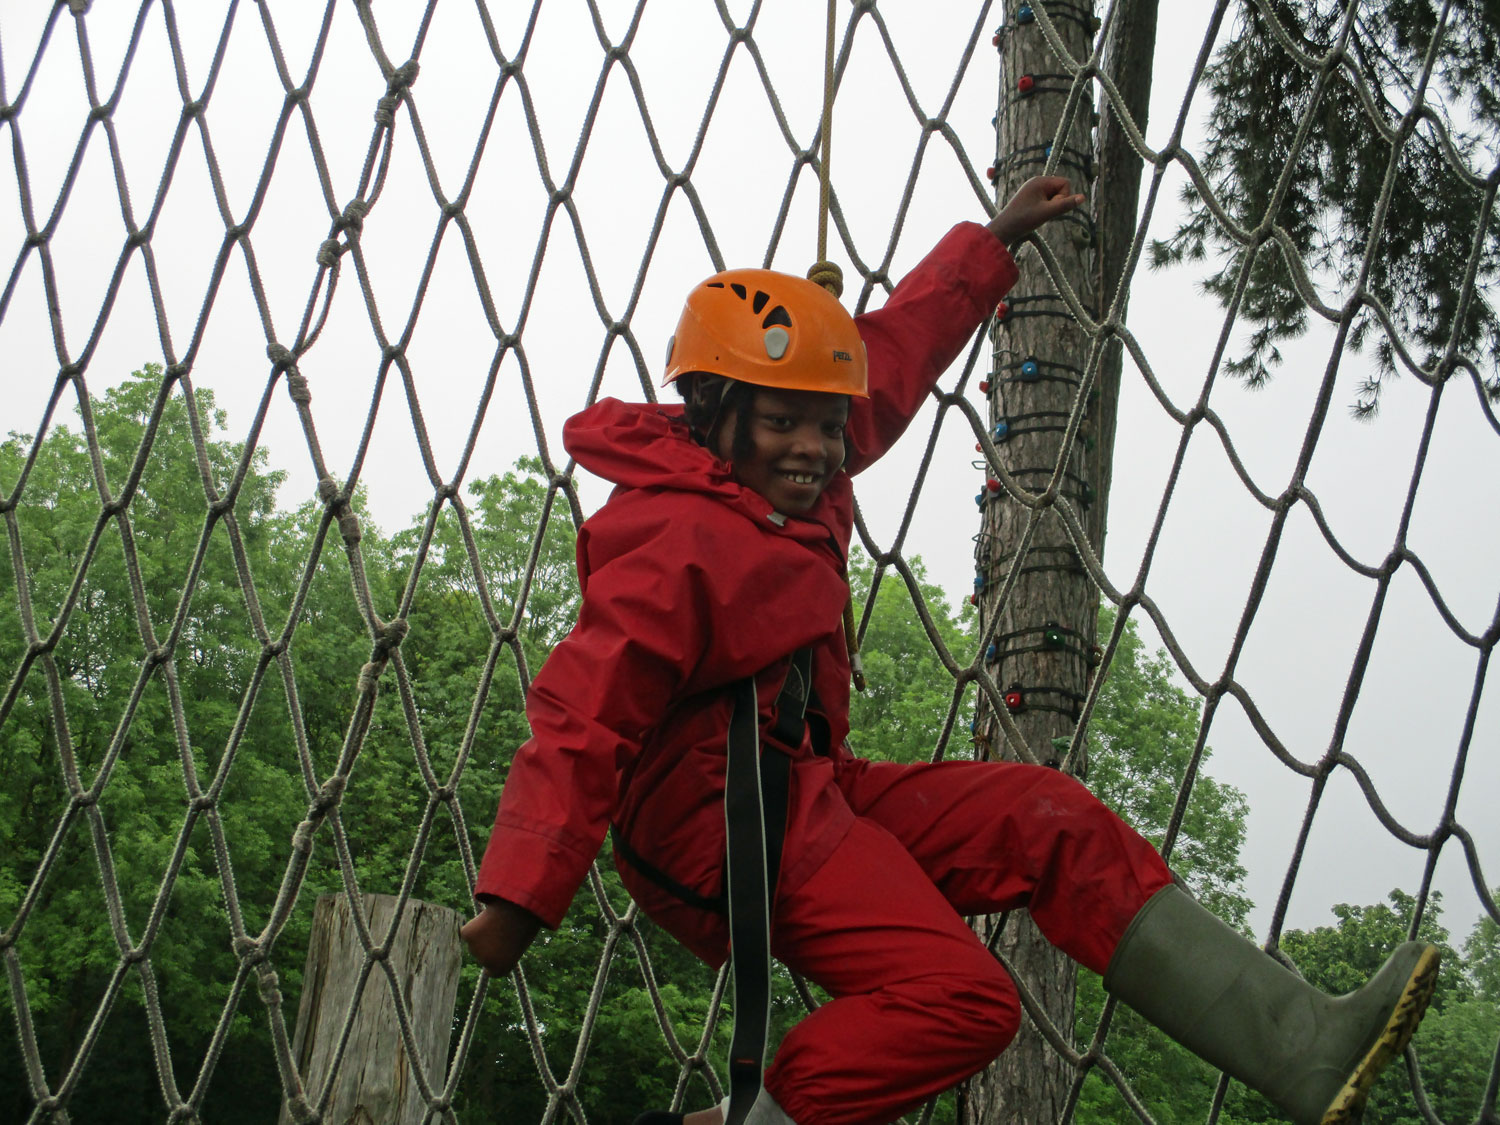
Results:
<point x="801" y="478"/>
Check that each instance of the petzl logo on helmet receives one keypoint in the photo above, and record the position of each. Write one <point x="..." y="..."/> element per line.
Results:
<point x="842" y="357"/>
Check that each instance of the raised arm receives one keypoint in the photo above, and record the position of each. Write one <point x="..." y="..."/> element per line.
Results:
<point x="935" y="310"/>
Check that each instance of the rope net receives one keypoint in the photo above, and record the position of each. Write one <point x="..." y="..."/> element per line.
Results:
<point x="207" y="729"/>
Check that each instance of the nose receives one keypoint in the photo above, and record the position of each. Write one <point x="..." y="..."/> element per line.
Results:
<point x="808" y="441"/>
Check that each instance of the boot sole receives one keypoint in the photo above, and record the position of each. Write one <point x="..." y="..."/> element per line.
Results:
<point x="1348" y="1108"/>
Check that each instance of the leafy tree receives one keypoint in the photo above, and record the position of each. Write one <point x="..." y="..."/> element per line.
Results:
<point x="901" y="713"/>
<point x="65" y="947"/>
<point x="1330" y="206"/>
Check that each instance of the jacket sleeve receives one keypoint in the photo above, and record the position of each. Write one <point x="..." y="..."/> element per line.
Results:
<point x="638" y="637"/>
<point x="920" y="331"/>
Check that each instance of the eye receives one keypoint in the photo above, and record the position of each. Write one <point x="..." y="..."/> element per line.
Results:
<point x="777" y="421"/>
<point x="833" y="429"/>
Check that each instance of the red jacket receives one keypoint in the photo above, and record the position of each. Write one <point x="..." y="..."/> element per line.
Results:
<point x="690" y="585"/>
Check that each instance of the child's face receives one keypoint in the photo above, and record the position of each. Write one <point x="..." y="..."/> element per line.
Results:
<point x="796" y="445"/>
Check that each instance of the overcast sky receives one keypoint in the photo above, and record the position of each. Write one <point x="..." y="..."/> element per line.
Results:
<point x="1409" y="719"/>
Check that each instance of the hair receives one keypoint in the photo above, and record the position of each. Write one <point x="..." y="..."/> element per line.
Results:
<point x="709" y="401"/>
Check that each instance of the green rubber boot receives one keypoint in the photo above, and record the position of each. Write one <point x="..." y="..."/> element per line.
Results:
<point x="1234" y="1006"/>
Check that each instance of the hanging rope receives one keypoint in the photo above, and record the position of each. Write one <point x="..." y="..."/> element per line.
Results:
<point x="826" y="273"/>
<point x="830" y="277"/>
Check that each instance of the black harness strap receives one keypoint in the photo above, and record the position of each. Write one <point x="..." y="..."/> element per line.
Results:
<point x="747" y="879"/>
<point x="756" y="792"/>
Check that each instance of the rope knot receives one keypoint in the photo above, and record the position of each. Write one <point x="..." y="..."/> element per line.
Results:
<point x="296" y="386"/>
<point x="349" y="527"/>
<point x="328" y="491"/>
<point x="248" y="950"/>
<point x="280" y="356"/>
<point x="202" y="803"/>
<point x="392" y="633"/>
<point x="369" y="675"/>
<point x="400" y="81"/>
<point x="329" y="794"/>
<point x="353" y="217"/>
<point x="270" y="989"/>
<point x="829" y="276"/>
<point x="328" y="253"/>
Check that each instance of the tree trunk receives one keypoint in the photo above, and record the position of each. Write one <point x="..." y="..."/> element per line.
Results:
<point x="1044" y="635"/>
<point x="376" y="1082"/>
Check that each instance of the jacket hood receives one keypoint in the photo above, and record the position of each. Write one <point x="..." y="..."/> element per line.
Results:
<point x="647" y="445"/>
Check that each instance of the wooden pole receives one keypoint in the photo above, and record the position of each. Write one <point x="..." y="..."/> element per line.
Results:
<point x="376" y="1081"/>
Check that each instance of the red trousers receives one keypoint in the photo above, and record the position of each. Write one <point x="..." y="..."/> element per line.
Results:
<point x="918" y="1003"/>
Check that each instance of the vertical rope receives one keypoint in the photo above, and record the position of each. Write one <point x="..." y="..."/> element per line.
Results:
<point x="830" y="277"/>
<point x="824" y="272"/>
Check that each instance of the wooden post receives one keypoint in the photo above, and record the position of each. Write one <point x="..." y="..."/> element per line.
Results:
<point x="376" y="1082"/>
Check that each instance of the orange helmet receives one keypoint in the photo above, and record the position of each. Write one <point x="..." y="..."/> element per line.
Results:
<point x="771" y="329"/>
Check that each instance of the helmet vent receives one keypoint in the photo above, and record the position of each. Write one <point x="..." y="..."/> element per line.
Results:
<point x="778" y="315"/>
<point x="739" y="290"/>
<point x="761" y="298"/>
<point x="714" y="285"/>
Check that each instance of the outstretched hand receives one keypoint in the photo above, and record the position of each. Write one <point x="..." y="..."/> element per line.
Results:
<point x="1037" y="201"/>
<point x="500" y="933"/>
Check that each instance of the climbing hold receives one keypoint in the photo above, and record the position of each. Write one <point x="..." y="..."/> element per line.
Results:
<point x="1052" y="635"/>
<point x="1001" y="431"/>
<point x="992" y="652"/>
<point x="984" y="386"/>
<point x="1030" y="370"/>
<point x="1024" y="14"/>
<point x="1015" y="699"/>
<point x="1025" y="83"/>
<point x="1002" y="310"/>
<point x="1087" y="494"/>
<point x="991" y="174"/>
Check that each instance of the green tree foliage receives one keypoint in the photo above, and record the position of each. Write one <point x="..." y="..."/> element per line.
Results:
<point x="119" y="725"/>
<point x="900" y="715"/>
<point x="1337" y="176"/>
<point x="296" y="563"/>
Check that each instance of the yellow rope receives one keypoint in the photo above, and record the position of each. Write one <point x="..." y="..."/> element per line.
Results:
<point x="830" y="277"/>
<point x="826" y="273"/>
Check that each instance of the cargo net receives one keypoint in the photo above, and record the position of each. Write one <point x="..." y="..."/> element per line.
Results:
<point x="227" y="691"/>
